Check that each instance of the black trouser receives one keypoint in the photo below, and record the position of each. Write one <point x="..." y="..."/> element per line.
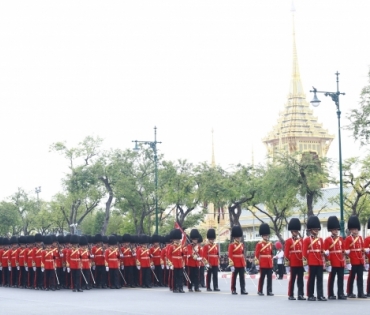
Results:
<point x="6" y="274"/>
<point x="31" y="277"/>
<point x="177" y="279"/>
<point x="193" y="273"/>
<point x="86" y="273"/>
<point x="315" y="273"/>
<point x="359" y="271"/>
<point x="238" y="271"/>
<point x="113" y="278"/>
<point x="14" y="275"/>
<point x="201" y="276"/>
<point x="1" y="277"/>
<point x="39" y="278"/>
<point x="76" y="279"/>
<point x="339" y="272"/>
<point x="265" y="272"/>
<point x="100" y="276"/>
<point x="136" y="274"/>
<point x="158" y="273"/>
<point x="22" y="276"/>
<point x="296" y="272"/>
<point x="49" y="278"/>
<point x="129" y="274"/>
<point x="212" y="271"/>
<point x="145" y="276"/>
<point x="60" y="274"/>
<point x="281" y="271"/>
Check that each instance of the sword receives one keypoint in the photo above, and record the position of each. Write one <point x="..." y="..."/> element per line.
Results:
<point x="155" y="276"/>
<point x="56" y="274"/>
<point x="122" y="276"/>
<point x="83" y="276"/>
<point x="92" y="277"/>
<point x="186" y="276"/>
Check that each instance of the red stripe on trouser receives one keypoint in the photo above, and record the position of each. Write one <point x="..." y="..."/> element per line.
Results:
<point x="140" y="277"/>
<point x="233" y="280"/>
<point x="290" y="291"/>
<point x="348" y="282"/>
<point x="260" y="282"/>
<point x="368" y="283"/>
<point x="308" y="285"/>
<point x="329" y="279"/>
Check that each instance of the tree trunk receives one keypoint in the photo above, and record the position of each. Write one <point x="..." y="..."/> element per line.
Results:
<point x="309" y="200"/>
<point x="108" y="204"/>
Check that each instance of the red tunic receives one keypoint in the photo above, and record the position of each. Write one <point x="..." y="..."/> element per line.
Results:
<point x="31" y="256"/>
<point x="367" y="245"/>
<point x="293" y="252"/>
<point x="99" y="258"/>
<point x="313" y="248"/>
<point x="128" y="258"/>
<point x="112" y="257"/>
<point x="48" y="259"/>
<point x="58" y="259"/>
<point x="236" y="255"/>
<point x="193" y="253"/>
<point x="74" y="258"/>
<point x="263" y="254"/>
<point x="164" y="256"/>
<point x="143" y="257"/>
<point x="210" y="253"/>
<point x="155" y="254"/>
<point x="5" y="258"/>
<point x="22" y="258"/>
<point x="14" y="257"/>
<point x="1" y="258"/>
<point x="356" y="246"/>
<point x="336" y="251"/>
<point x="85" y="259"/>
<point x="37" y="257"/>
<point x="175" y="256"/>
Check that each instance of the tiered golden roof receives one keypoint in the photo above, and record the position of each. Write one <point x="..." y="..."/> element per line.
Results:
<point x="297" y="128"/>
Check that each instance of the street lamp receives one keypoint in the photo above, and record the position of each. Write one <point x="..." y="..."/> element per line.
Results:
<point x="316" y="102"/>
<point x="153" y="145"/>
<point x="37" y="191"/>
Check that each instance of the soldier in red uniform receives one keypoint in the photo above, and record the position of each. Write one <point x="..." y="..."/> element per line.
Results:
<point x="1" y="265"/>
<point x="236" y="260"/>
<point x="155" y="255"/>
<point x="313" y="250"/>
<point x="367" y="258"/>
<point x="59" y="258"/>
<point x="112" y="257"/>
<point x="203" y="263"/>
<point x="14" y="257"/>
<point x="74" y="264"/>
<point x="22" y="262"/>
<point x="39" y="278"/>
<point x="334" y="247"/>
<point x="66" y="251"/>
<point x="175" y="260"/>
<point x="5" y="258"/>
<point x="194" y="257"/>
<point x="293" y="259"/>
<point x="128" y="260"/>
<point x="48" y="264"/>
<point x="211" y="254"/>
<point x="143" y="261"/>
<point x="263" y="259"/>
<point x="354" y="248"/>
<point x="85" y="263"/>
<point x="30" y="259"/>
<point x="99" y="261"/>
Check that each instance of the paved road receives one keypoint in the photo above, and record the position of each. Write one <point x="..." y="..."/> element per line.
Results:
<point x="160" y="301"/>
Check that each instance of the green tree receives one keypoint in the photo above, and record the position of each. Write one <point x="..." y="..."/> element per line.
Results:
<point x="9" y="218"/>
<point x="360" y="118"/>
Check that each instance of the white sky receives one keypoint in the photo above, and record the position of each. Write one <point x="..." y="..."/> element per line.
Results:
<point x="116" y="69"/>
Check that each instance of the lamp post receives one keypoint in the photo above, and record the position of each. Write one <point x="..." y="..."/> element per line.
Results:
<point x="37" y="191"/>
<point x="153" y="145"/>
<point x="316" y="102"/>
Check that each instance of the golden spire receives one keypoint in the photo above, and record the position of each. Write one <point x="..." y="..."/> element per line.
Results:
<point x="297" y="129"/>
<point x="213" y="162"/>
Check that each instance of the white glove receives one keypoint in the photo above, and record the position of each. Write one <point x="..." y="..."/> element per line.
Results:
<point x="367" y="250"/>
<point x="168" y="267"/>
<point x="232" y="268"/>
<point x="106" y="268"/>
<point x="61" y="255"/>
<point x="18" y="268"/>
<point x="347" y="251"/>
<point x="34" y="268"/>
<point x="199" y="258"/>
<point x="92" y="256"/>
<point x="1" y="268"/>
<point x="328" y="268"/>
<point x="367" y="267"/>
<point x="134" y="254"/>
<point x="42" y="269"/>
<point x="326" y="253"/>
<point x="68" y="270"/>
<point x="93" y="267"/>
<point x="348" y="266"/>
<point x="26" y="268"/>
<point x="122" y="267"/>
<point x="162" y="266"/>
<point x="153" y="267"/>
<point x="287" y="269"/>
<point x="305" y="268"/>
<point x="138" y="267"/>
<point x="257" y="267"/>
<point x="207" y="266"/>
<point x="171" y="267"/>
<point x="120" y="255"/>
<point x="9" y="268"/>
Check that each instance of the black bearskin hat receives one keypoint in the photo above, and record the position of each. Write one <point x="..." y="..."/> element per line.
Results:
<point x="74" y="239"/>
<point x="48" y="240"/>
<point x="313" y="222"/>
<point x="98" y="238"/>
<point x="211" y="234"/>
<point x="156" y="238"/>
<point x="22" y="240"/>
<point x="176" y="234"/>
<point x="354" y="223"/>
<point x="264" y="229"/>
<point x="38" y="238"/>
<point x="30" y="239"/>
<point x="112" y="240"/>
<point x="13" y="240"/>
<point x="83" y="241"/>
<point x="368" y="224"/>
<point x="194" y="234"/>
<point x="294" y="224"/>
<point x="333" y="223"/>
<point x="236" y="231"/>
